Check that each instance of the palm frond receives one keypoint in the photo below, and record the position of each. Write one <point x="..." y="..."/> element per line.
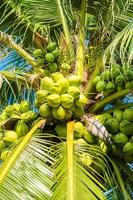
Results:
<point x="75" y="178"/>
<point x="11" y="23"/>
<point x="8" y="40"/>
<point x="12" y="61"/>
<point x="122" y="46"/>
<point x="26" y="172"/>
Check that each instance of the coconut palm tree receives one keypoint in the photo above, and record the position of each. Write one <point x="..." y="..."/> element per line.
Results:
<point x="91" y="35"/>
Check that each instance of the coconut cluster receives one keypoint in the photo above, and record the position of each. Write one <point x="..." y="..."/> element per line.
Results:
<point x="114" y="79"/>
<point x="120" y="125"/>
<point x="60" y="97"/>
<point x="15" y="122"/>
<point x="48" y="57"/>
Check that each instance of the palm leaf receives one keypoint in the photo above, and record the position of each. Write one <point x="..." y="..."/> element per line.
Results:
<point x="15" y="23"/>
<point x="72" y="179"/>
<point x="121" y="181"/>
<point x="26" y="171"/>
<point x="121" y="45"/>
<point x="5" y="38"/>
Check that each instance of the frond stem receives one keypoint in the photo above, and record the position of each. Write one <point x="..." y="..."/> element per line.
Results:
<point x="100" y="104"/>
<point x="65" y="29"/>
<point x="70" y="126"/>
<point x="7" y="39"/>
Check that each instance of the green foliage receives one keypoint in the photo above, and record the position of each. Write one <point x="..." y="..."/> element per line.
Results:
<point x="41" y="169"/>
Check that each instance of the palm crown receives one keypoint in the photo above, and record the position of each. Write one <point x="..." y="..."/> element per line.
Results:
<point x="67" y="133"/>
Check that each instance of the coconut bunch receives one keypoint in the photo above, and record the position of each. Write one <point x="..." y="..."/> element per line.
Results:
<point x="15" y="122"/>
<point x="47" y="58"/>
<point x="60" y="98"/>
<point x="114" y="79"/>
<point x="120" y="126"/>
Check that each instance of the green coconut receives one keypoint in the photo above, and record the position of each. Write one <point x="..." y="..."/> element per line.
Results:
<point x="64" y="83"/>
<point x="4" y="154"/>
<point x="49" y="57"/>
<point x="120" y="139"/>
<point x="55" y="52"/>
<point x="40" y="62"/>
<point x="37" y="53"/>
<point x="53" y="67"/>
<point x="107" y="116"/>
<point x="126" y="127"/>
<point x="41" y="96"/>
<point x="21" y="128"/>
<point x="111" y="87"/>
<point x="54" y="100"/>
<point x="79" y="129"/>
<point x="106" y="75"/>
<point x="89" y="138"/>
<point x="59" y="113"/>
<point x="96" y="80"/>
<point x="115" y="71"/>
<point x="45" y="110"/>
<point x="67" y="100"/>
<point x="81" y="101"/>
<point x="119" y="80"/>
<point x="46" y="83"/>
<point x="128" y="114"/>
<point x="55" y="88"/>
<point x="118" y="114"/>
<point x="101" y="86"/>
<point x="51" y="46"/>
<point x="3" y="116"/>
<point x="24" y="106"/>
<point x="75" y="80"/>
<point x="9" y="110"/>
<point x="74" y="92"/>
<point x="57" y="76"/>
<point x="68" y="115"/>
<point x="112" y="125"/>
<point x="28" y="116"/>
<point x="10" y="136"/>
<point x="128" y="148"/>
<point x="61" y="130"/>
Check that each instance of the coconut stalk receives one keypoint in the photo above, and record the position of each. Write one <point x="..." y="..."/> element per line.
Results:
<point x="100" y="104"/>
<point x="90" y="87"/>
<point x="65" y="29"/>
<point x="122" y="106"/>
<point x="80" y="58"/>
<point x="7" y="39"/>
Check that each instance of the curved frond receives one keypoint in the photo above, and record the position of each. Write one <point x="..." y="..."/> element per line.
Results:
<point x="122" y="46"/>
<point x="73" y="179"/>
<point x="26" y="172"/>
